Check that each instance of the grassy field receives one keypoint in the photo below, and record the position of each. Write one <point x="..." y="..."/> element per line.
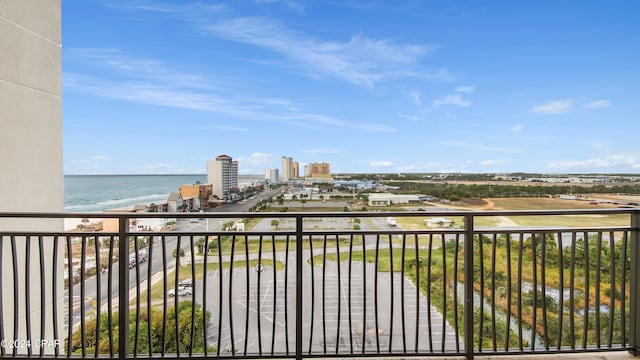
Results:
<point x="253" y="246"/>
<point x="308" y="208"/>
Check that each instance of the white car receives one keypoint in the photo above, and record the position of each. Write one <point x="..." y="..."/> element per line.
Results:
<point x="182" y="291"/>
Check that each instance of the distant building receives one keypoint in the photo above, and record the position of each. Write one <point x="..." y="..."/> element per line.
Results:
<point x="287" y="168"/>
<point x="306" y="171"/>
<point x="222" y="174"/>
<point x="175" y="202"/>
<point x="386" y="199"/>
<point x="296" y="170"/>
<point x="196" y="195"/>
<point x="272" y="175"/>
<point x="439" y="222"/>
<point x="356" y="184"/>
<point x="320" y="170"/>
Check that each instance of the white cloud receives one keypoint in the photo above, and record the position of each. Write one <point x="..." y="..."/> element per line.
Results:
<point x="480" y="147"/>
<point x="381" y="163"/>
<point x="257" y="158"/>
<point x="455" y="100"/>
<point x="359" y="60"/>
<point x="620" y="161"/>
<point x="191" y="11"/>
<point x="466" y="89"/>
<point x="433" y="167"/>
<point x="517" y="128"/>
<point x="553" y="107"/>
<point x="230" y="128"/>
<point x="291" y="4"/>
<point x="156" y="168"/>
<point x="318" y="151"/>
<point x="494" y="163"/>
<point x="598" y="104"/>
<point x="416" y="97"/>
<point x="152" y="82"/>
<point x="412" y="118"/>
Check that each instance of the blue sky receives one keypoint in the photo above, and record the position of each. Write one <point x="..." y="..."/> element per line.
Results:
<point x="368" y="86"/>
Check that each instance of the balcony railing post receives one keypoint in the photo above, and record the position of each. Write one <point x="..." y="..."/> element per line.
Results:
<point x="468" y="285"/>
<point x="298" y="287"/>
<point x="123" y="288"/>
<point x="634" y="296"/>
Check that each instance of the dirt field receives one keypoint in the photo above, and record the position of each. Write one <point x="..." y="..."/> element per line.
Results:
<point x="477" y="204"/>
<point x="539" y="204"/>
<point x="498" y="182"/>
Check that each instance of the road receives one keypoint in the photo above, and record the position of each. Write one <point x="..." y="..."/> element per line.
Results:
<point x="93" y="295"/>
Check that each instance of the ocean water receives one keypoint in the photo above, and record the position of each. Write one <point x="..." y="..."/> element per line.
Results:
<point x="95" y="193"/>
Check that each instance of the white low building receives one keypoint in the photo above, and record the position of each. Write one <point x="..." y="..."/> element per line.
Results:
<point x="386" y="199"/>
<point x="439" y="222"/>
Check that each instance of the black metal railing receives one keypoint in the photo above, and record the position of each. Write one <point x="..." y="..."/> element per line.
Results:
<point x="321" y="284"/>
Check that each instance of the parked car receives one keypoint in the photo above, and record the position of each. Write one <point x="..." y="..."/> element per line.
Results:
<point x="132" y="260"/>
<point x="182" y="291"/>
<point x="142" y="255"/>
<point x="185" y="283"/>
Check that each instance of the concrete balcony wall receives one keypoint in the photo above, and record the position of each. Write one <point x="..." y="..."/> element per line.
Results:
<point x="31" y="175"/>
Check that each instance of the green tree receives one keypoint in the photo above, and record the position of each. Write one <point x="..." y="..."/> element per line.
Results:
<point x="228" y="226"/>
<point x="275" y="223"/>
<point x="200" y="244"/>
<point x="213" y="244"/>
<point x="154" y="323"/>
<point x="178" y="251"/>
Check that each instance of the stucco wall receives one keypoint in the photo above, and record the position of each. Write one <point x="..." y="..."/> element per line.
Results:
<point x="31" y="175"/>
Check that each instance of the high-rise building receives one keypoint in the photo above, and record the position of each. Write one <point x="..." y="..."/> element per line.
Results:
<point x="296" y="170"/>
<point x="272" y="175"/>
<point x="306" y="171"/>
<point x="319" y="170"/>
<point x="222" y="174"/>
<point x="287" y="168"/>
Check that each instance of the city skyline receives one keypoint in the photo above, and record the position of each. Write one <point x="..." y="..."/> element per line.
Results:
<point x="369" y="87"/>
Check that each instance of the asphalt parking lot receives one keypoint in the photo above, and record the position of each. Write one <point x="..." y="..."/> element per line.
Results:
<point x="325" y="311"/>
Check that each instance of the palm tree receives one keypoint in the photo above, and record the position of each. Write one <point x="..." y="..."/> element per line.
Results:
<point x="83" y="224"/>
<point x="275" y="223"/>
